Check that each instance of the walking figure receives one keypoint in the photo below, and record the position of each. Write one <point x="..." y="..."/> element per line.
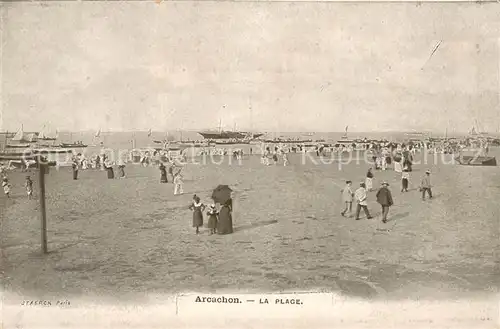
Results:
<point x="108" y="166"/>
<point x="347" y="196"/>
<point x="197" y="207"/>
<point x="163" y="172"/>
<point x="425" y="185"/>
<point x="361" y="197"/>
<point x="275" y="157"/>
<point x="121" y="170"/>
<point x="74" y="165"/>
<point x="178" y="183"/>
<point x="405" y="178"/>
<point x="285" y="158"/>
<point x="369" y="180"/>
<point x="29" y="187"/>
<point x="384" y="198"/>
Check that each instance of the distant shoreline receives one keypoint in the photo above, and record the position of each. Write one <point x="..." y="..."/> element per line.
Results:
<point x="459" y="133"/>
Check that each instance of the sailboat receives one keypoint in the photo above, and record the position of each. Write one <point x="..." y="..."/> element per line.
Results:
<point x="42" y="135"/>
<point x="474" y="132"/>
<point x="97" y="136"/>
<point x="20" y="138"/>
<point x="343" y="139"/>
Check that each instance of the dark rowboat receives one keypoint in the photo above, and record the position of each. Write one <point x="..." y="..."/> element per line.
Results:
<point x="469" y="160"/>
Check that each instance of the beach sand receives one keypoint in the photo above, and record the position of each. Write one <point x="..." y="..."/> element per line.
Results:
<point x="132" y="236"/>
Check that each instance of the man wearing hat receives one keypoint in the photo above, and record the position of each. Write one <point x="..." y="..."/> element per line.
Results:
<point x="425" y="185"/>
<point x="384" y="197"/>
<point x="361" y="196"/>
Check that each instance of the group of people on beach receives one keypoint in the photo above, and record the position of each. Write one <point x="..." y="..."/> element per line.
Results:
<point x="176" y="174"/>
<point x="103" y="163"/>
<point x="383" y="195"/>
<point x="219" y="221"/>
<point x="269" y="157"/>
<point x="7" y="186"/>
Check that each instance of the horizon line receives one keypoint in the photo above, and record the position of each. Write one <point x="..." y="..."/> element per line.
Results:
<point x="409" y="131"/>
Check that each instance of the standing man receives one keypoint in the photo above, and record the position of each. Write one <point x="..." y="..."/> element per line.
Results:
<point x="425" y="185"/>
<point x="347" y="198"/>
<point x="384" y="198"/>
<point x="361" y="196"/>
<point x="74" y="165"/>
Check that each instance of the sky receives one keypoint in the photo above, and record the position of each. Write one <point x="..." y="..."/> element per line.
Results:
<point x="278" y="66"/>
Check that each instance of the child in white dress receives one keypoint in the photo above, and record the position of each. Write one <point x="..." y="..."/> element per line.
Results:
<point x="6" y="186"/>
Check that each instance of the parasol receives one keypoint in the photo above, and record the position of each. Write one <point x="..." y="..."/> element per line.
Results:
<point x="221" y="194"/>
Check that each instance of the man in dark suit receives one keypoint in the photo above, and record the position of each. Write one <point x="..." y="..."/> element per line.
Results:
<point x="384" y="197"/>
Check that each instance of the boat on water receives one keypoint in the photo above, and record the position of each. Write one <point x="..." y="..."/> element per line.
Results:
<point x="471" y="160"/>
<point x="228" y="134"/>
<point x="478" y="154"/>
<point x="15" y="154"/>
<point x="78" y="144"/>
<point x="288" y="141"/>
<point x="43" y="136"/>
<point x="231" y="141"/>
<point x="225" y="134"/>
<point x="51" y="150"/>
<point x="17" y="146"/>
<point x="21" y="139"/>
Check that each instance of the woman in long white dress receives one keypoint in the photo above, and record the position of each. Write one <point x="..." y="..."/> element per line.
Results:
<point x="178" y="184"/>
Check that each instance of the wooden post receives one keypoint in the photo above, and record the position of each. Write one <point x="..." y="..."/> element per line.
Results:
<point x="41" y="177"/>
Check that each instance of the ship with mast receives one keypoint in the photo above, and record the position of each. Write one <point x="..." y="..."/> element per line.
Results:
<point x="42" y="135"/>
<point x="477" y="155"/>
<point x="221" y="134"/>
<point x="21" y="139"/>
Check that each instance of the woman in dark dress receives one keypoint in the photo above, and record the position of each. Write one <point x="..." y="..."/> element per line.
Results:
<point x="163" y="171"/>
<point x="74" y="165"/>
<point x="407" y="160"/>
<point x="121" y="171"/>
<point x="197" y="207"/>
<point x="109" y="169"/>
<point x="225" y="224"/>
<point x="171" y="171"/>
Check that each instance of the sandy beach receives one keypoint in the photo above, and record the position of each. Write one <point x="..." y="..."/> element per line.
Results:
<point x="133" y="236"/>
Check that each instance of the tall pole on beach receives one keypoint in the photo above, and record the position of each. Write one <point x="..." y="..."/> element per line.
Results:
<point x="43" y="213"/>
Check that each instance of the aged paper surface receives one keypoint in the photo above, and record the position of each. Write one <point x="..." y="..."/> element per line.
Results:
<point x="249" y="164"/>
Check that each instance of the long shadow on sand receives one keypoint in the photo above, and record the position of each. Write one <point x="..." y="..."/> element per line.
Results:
<point x="254" y="225"/>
